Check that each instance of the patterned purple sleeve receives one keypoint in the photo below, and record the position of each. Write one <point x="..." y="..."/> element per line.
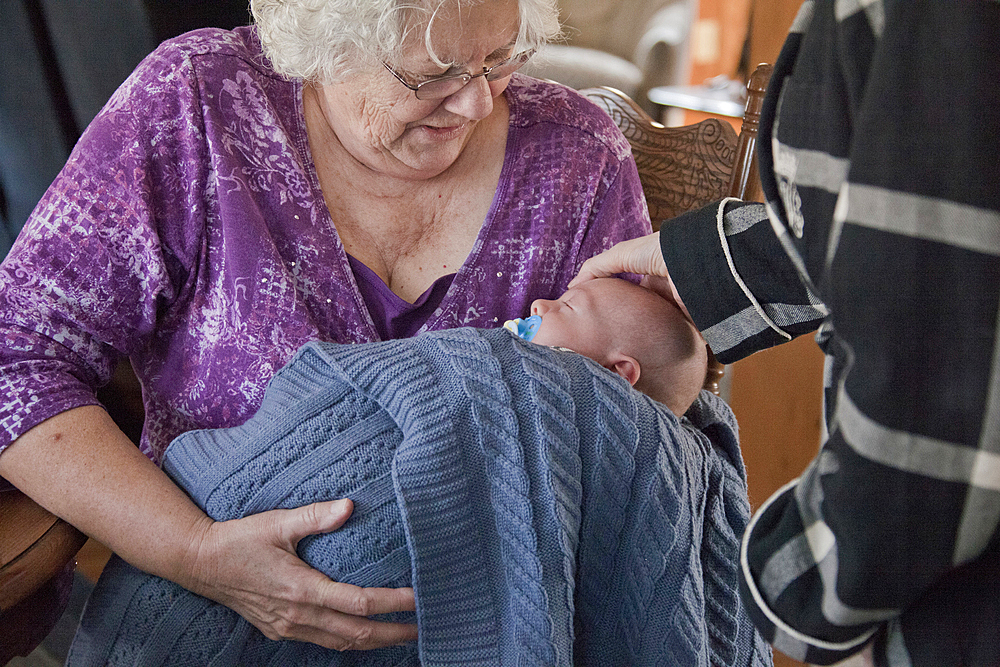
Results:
<point x="87" y="276"/>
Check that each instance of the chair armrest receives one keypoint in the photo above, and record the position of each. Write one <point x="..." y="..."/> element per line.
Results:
<point x="36" y="547"/>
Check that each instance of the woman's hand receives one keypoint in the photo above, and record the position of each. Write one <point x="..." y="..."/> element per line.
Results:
<point x="250" y="565"/>
<point x="81" y="467"/>
<point x="640" y="255"/>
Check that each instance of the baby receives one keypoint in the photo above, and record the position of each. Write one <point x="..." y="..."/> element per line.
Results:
<point x="630" y="331"/>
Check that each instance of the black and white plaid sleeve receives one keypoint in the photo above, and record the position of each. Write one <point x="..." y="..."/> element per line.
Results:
<point x="746" y="293"/>
<point x="882" y="179"/>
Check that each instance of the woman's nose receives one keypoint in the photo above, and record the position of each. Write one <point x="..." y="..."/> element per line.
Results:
<point x="474" y="100"/>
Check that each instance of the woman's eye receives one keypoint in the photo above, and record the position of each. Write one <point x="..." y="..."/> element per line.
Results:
<point x="423" y="78"/>
<point x="454" y="70"/>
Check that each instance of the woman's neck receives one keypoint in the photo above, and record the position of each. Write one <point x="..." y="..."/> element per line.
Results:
<point x="409" y="232"/>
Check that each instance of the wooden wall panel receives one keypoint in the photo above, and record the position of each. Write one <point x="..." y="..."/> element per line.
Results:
<point x="777" y="398"/>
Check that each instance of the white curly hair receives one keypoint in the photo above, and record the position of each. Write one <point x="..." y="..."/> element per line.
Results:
<point x="324" y="40"/>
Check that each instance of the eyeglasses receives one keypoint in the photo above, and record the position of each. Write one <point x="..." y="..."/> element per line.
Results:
<point x="443" y="86"/>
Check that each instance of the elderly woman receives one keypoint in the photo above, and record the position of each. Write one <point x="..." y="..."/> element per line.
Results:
<point x="345" y="170"/>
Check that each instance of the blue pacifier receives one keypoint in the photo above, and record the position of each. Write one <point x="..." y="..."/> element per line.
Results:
<point x="524" y="328"/>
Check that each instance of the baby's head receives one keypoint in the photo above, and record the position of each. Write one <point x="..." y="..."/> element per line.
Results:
<point x="632" y="331"/>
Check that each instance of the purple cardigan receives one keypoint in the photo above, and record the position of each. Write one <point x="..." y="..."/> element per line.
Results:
<point x="188" y="232"/>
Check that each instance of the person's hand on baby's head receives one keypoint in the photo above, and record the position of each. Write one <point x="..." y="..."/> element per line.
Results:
<point x="640" y="256"/>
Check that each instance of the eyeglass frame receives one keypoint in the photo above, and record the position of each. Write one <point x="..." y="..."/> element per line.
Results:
<point x="524" y="57"/>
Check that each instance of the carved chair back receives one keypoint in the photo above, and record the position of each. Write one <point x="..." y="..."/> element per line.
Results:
<point x="684" y="168"/>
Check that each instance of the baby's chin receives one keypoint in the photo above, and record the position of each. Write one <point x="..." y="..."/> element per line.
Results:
<point x="541" y="338"/>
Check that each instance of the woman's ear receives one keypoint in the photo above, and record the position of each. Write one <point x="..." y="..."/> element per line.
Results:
<point x="625" y="366"/>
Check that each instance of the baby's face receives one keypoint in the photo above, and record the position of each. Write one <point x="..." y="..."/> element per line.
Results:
<point x="575" y="320"/>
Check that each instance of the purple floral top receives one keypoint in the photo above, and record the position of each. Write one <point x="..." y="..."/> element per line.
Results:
<point x="188" y="231"/>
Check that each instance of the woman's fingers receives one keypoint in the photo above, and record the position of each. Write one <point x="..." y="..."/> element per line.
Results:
<point x="294" y="524"/>
<point x="358" y="601"/>
<point x="251" y="566"/>
<point x="345" y="609"/>
<point x="335" y="615"/>
<point x="358" y="635"/>
<point x="641" y="255"/>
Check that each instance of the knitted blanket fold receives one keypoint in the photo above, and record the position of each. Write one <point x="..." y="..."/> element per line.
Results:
<point x="544" y="512"/>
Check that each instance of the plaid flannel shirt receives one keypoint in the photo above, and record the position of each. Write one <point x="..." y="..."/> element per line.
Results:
<point x="882" y="233"/>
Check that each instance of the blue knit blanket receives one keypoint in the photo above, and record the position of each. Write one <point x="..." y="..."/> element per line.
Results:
<point x="544" y="512"/>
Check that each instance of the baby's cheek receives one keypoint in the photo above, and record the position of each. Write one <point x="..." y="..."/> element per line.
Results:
<point x="543" y="336"/>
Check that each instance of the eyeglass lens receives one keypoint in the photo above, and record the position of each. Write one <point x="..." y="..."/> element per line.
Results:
<point x="438" y="88"/>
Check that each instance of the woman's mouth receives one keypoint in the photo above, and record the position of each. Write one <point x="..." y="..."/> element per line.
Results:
<point x="444" y="132"/>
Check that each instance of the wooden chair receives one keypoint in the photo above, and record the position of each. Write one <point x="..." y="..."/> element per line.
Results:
<point x="37" y="551"/>
<point x="683" y="168"/>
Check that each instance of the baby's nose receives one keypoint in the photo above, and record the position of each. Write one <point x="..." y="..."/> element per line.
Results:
<point x="540" y="306"/>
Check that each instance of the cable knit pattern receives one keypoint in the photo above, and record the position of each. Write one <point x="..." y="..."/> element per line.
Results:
<point x="554" y="421"/>
<point x="544" y="512"/>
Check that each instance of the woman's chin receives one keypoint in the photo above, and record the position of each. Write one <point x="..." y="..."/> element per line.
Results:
<point x="423" y="170"/>
<point x="430" y="161"/>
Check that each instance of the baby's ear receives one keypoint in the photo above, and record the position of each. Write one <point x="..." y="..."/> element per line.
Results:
<point x="627" y="367"/>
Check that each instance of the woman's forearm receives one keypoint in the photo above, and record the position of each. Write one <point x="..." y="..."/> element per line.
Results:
<point x="82" y="468"/>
